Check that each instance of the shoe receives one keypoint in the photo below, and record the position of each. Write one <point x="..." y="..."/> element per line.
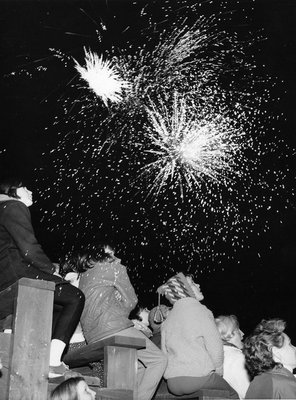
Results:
<point x="57" y="371"/>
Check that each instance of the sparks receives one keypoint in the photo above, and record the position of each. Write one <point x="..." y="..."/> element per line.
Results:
<point x="190" y="146"/>
<point x="102" y="78"/>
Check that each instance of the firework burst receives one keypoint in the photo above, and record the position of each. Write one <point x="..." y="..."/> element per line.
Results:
<point x="102" y="78"/>
<point x="190" y="146"/>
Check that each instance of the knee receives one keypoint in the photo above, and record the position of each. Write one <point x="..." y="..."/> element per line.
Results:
<point x="77" y="298"/>
<point x="80" y="298"/>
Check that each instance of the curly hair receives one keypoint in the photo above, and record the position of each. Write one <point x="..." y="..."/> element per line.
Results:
<point x="82" y="260"/>
<point x="258" y="346"/>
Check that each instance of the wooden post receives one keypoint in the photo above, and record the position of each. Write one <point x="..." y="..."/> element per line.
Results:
<point x="120" y="368"/>
<point x="31" y="336"/>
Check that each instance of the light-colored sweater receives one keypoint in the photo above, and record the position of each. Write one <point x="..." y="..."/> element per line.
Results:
<point x="235" y="372"/>
<point x="191" y="340"/>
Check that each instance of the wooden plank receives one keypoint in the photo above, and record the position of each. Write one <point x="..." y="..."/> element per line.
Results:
<point x="5" y="343"/>
<point x="95" y="351"/>
<point x="8" y="295"/>
<point x="31" y="345"/>
<point x="202" y="394"/>
<point x="120" y="368"/>
<point x="113" y="394"/>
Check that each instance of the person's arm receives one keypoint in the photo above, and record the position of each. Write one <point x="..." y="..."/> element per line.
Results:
<point x="163" y="340"/>
<point x="123" y="284"/>
<point x="17" y="221"/>
<point x="212" y="340"/>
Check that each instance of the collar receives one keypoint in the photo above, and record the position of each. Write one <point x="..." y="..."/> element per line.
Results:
<point x="4" y="197"/>
<point x="281" y="371"/>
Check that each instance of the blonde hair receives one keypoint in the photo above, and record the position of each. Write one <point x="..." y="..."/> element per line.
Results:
<point x="227" y="325"/>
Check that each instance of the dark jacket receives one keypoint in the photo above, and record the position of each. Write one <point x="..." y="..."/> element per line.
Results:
<point x="20" y="253"/>
<point x="276" y="384"/>
<point x="109" y="299"/>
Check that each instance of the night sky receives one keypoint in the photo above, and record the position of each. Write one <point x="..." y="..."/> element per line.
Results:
<point x="82" y="159"/>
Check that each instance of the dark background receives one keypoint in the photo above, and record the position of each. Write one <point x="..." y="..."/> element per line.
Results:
<point x="31" y="85"/>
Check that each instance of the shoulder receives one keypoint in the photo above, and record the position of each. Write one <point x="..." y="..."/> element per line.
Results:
<point x="282" y="375"/>
<point x="261" y="387"/>
<point x="13" y="207"/>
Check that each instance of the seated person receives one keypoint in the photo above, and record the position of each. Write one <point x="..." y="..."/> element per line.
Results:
<point x="73" y="389"/>
<point x="270" y="358"/>
<point x="109" y="299"/>
<point x="191" y="340"/>
<point x="234" y="369"/>
<point x="139" y="316"/>
<point x="21" y="256"/>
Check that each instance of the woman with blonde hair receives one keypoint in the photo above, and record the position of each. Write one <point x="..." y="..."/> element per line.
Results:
<point x="234" y="369"/>
<point x="73" y="389"/>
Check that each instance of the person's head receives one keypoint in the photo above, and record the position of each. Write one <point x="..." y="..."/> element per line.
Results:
<point x="228" y="327"/>
<point x="268" y="346"/>
<point x="82" y="260"/>
<point x="15" y="189"/>
<point x="73" y="389"/>
<point x="155" y="323"/>
<point x="140" y="313"/>
<point x="195" y="287"/>
<point x="180" y="286"/>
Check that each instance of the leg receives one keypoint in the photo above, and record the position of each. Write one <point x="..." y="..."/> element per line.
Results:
<point x="72" y="301"/>
<point x="151" y="366"/>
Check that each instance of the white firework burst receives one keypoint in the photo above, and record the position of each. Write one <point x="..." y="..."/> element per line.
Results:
<point x="103" y="78"/>
<point x="191" y="145"/>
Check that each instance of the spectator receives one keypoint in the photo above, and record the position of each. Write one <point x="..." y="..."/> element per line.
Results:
<point x="22" y="256"/>
<point x="139" y="316"/>
<point x="73" y="389"/>
<point x="270" y="358"/>
<point x="191" y="340"/>
<point x="234" y="369"/>
<point x="110" y="297"/>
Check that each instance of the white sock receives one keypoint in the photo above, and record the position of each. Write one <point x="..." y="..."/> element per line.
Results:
<point x="56" y="350"/>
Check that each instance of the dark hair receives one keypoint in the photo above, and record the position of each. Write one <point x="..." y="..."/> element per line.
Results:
<point x="9" y="187"/>
<point x="258" y="346"/>
<point x="67" y="390"/>
<point x="82" y="260"/>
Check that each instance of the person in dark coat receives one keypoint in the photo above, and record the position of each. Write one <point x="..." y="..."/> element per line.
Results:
<point x="22" y="256"/>
<point x="271" y="359"/>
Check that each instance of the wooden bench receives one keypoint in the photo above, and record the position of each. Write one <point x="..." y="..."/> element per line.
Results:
<point x="25" y="352"/>
<point x="120" y="364"/>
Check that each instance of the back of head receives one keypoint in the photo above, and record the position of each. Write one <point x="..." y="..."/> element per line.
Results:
<point x="227" y="325"/>
<point x="258" y="346"/>
<point x="67" y="390"/>
<point x="82" y="260"/>
<point x="9" y="187"/>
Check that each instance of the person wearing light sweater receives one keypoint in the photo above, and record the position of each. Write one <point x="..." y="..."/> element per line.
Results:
<point x="191" y="340"/>
<point x="234" y="367"/>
